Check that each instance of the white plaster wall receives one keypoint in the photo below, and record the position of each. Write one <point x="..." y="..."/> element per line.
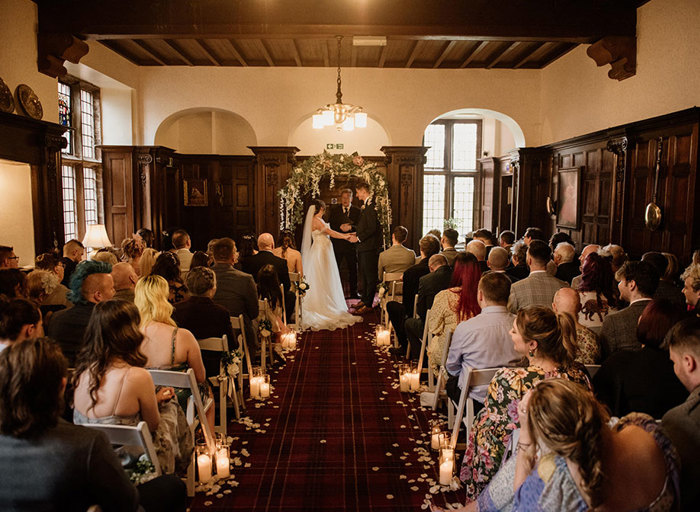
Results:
<point x="16" y="216"/>
<point x="366" y="141"/>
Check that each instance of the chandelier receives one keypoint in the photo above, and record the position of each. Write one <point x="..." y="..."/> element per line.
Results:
<point x="344" y="116"/>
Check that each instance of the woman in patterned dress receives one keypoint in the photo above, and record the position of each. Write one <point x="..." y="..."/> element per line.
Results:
<point x="548" y="342"/>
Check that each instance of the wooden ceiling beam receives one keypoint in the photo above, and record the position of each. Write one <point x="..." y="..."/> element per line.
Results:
<point x="508" y="50"/>
<point x="326" y="54"/>
<point x="207" y="52"/>
<point x="297" y="55"/>
<point x="151" y="53"/>
<point x="559" y="52"/>
<point x="180" y="53"/>
<point x="448" y="48"/>
<point x="472" y="55"/>
<point x="382" y="57"/>
<point x="414" y="52"/>
<point x="236" y="52"/>
<point x="527" y="56"/>
<point x="118" y="48"/>
<point x="266" y="53"/>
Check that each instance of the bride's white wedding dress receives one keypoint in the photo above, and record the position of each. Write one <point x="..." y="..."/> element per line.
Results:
<point x="324" y="305"/>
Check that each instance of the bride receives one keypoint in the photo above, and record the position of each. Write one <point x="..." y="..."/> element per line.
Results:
<point x="324" y="304"/>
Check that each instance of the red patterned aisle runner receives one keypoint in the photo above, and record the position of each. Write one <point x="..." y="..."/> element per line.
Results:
<point x="335" y="436"/>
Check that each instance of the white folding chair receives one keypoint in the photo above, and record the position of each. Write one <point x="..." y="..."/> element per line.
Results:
<point x="473" y="379"/>
<point x="226" y="384"/>
<point x="390" y="278"/>
<point x="196" y="412"/>
<point x="284" y="305"/>
<point x="439" y="392"/>
<point x="423" y="352"/>
<point x="265" y="341"/>
<point x="592" y="369"/>
<point x="414" y="315"/>
<point x="238" y="325"/>
<point x="295" y="278"/>
<point x="130" y="437"/>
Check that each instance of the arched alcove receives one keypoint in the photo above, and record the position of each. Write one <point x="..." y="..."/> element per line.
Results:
<point x="206" y="131"/>
<point x="366" y="141"/>
<point x="500" y="132"/>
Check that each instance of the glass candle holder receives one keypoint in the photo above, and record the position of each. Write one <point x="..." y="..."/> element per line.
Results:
<point x="204" y="465"/>
<point x="264" y="386"/>
<point x="437" y="436"/>
<point x="255" y="381"/>
<point x="223" y="457"/>
<point x="447" y="462"/>
<point x="414" y="378"/>
<point x="383" y="337"/>
<point x="404" y="383"/>
<point x="289" y="341"/>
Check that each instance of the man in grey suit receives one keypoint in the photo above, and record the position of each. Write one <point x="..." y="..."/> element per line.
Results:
<point x="638" y="281"/>
<point x="235" y="290"/>
<point x="449" y="239"/>
<point x="682" y="423"/>
<point x="539" y="287"/>
<point x="398" y="257"/>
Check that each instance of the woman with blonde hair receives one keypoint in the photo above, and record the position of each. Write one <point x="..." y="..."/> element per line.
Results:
<point x="148" y="259"/>
<point x="547" y="342"/>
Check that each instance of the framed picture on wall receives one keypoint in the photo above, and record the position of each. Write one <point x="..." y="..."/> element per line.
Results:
<point x="196" y="192"/>
<point x="569" y="208"/>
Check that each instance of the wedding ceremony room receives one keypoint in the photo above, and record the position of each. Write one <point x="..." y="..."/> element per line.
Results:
<point x="349" y="255"/>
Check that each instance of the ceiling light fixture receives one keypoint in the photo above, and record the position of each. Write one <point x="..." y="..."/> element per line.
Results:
<point x="343" y="116"/>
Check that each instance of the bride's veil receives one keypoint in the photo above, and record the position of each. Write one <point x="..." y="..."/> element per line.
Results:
<point x="306" y="239"/>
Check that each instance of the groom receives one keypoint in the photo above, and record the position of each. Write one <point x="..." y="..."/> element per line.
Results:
<point x="369" y="236"/>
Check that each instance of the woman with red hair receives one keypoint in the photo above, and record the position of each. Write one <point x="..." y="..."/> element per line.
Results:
<point x="454" y="305"/>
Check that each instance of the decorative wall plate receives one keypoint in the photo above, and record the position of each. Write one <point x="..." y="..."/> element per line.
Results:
<point x="29" y="102"/>
<point x="7" y="102"/>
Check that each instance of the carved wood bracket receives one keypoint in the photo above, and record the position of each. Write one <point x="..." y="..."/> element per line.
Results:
<point x="619" y="148"/>
<point x="619" y="52"/>
<point x="144" y="160"/>
<point x="54" y="49"/>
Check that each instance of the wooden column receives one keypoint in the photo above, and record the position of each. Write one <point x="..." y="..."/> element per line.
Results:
<point x="404" y="172"/>
<point x="273" y="165"/>
<point x="490" y="189"/>
<point x="531" y="182"/>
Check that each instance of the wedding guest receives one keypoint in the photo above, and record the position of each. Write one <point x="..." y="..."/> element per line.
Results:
<point x="667" y="289"/>
<point x="538" y="288"/>
<point x="105" y="256"/>
<point x="248" y="247"/>
<point x="643" y="380"/>
<point x="682" y="423"/>
<point x="673" y="269"/>
<point x="564" y="259"/>
<point x="19" y="319"/>
<point x="691" y="287"/>
<point x="181" y="248"/>
<point x="286" y="249"/>
<point x="597" y="292"/>
<point x="436" y="233"/>
<point x="146" y="236"/>
<point x="498" y="261"/>
<point x="200" y="259"/>
<point x="567" y="300"/>
<point x="59" y="297"/>
<point x="398" y="257"/>
<point x="548" y="341"/>
<point x="478" y="249"/>
<point x="13" y="282"/>
<point x="558" y="238"/>
<point x="167" y="266"/>
<point x="113" y="387"/>
<point x="90" y="284"/>
<point x="49" y="464"/>
<point x="124" y="277"/>
<point x="519" y="269"/>
<point x="269" y="289"/>
<point x="589" y="249"/>
<point x="449" y="240"/>
<point x="8" y="258"/>
<point x="533" y="234"/>
<point x="132" y="250"/>
<point x="482" y="341"/>
<point x="73" y="252"/>
<point x="453" y="305"/>
<point x="486" y="237"/>
<point x="506" y="240"/>
<point x="617" y="256"/>
<point x="148" y="259"/>
<point x="40" y="285"/>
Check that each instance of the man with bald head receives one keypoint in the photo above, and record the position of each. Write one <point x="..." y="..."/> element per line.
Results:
<point x="124" y="277"/>
<point x="253" y="264"/>
<point x="478" y="249"/>
<point x="567" y="300"/>
<point x="90" y="284"/>
<point x="498" y="261"/>
<point x="584" y="254"/>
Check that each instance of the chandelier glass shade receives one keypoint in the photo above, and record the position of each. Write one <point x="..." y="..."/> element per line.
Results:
<point x="343" y="116"/>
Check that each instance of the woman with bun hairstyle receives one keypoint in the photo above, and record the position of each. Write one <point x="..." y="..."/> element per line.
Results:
<point x="20" y="319"/>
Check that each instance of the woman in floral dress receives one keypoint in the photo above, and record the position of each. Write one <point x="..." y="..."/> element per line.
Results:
<point x="548" y="342"/>
<point x="454" y="305"/>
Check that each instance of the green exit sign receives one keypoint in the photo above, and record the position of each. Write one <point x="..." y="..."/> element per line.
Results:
<point x="335" y="146"/>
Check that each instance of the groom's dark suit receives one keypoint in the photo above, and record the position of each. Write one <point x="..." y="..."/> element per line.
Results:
<point x="369" y="233"/>
<point x="343" y="249"/>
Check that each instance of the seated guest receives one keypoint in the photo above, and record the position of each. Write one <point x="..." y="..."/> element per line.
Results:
<point x="478" y="249"/>
<point x="597" y="292"/>
<point x="248" y="247"/>
<point x="667" y="289"/>
<point x="453" y="305"/>
<point x="200" y="259"/>
<point x="436" y="233"/>
<point x="167" y="266"/>
<point x="548" y="341"/>
<point x="429" y="285"/>
<point x="181" y="248"/>
<point x="13" y="282"/>
<point x="569" y="458"/>
<point x="48" y="464"/>
<point x="643" y="380"/>
<point x="132" y="250"/>
<point x="287" y="250"/>
<point x="672" y="270"/>
<point x="148" y="259"/>
<point x="567" y="267"/>
<point x="399" y="312"/>
<point x="19" y="319"/>
<point x="40" y="285"/>
<point x="124" y="277"/>
<point x="90" y="284"/>
<point x="558" y="238"/>
<point x="59" y="297"/>
<point x="113" y="387"/>
<point x="105" y="256"/>
<point x="567" y="300"/>
<point x="498" y="261"/>
<point x="8" y="258"/>
<point x="448" y="241"/>
<point x="202" y="317"/>
<point x="533" y="234"/>
<point x="254" y="263"/>
<point x="269" y="289"/>
<point x="506" y="240"/>
<point x="482" y="341"/>
<point x="616" y="254"/>
<point x="691" y="287"/>
<point x="538" y="288"/>
<point x="146" y="237"/>
<point x="486" y="237"/>
<point x="235" y="290"/>
<point x="518" y="269"/>
<point x="682" y="423"/>
<point x="638" y="282"/>
<point x="589" y="249"/>
<point x="398" y="257"/>
<point x="72" y="255"/>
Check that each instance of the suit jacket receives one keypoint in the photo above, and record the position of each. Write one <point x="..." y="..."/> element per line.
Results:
<point x="668" y="291"/>
<point x="619" y="329"/>
<point x="236" y="291"/>
<point x="430" y="285"/>
<point x="411" y="278"/>
<point x="483" y="266"/>
<point x="536" y="289"/>
<point x="567" y="271"/>
<point x="450" y="254"/>
<point x="396" y="258"/>
<point x="336" y="217"/>
<point x="518" y="272"/>
<point x="68" y="326"/>
<point x="253" y="264"/>
<point x="682" y="425"/>
<point x="368" y="229"/>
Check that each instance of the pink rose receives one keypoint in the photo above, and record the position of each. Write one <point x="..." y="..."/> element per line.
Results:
<point x="358" y="161"/>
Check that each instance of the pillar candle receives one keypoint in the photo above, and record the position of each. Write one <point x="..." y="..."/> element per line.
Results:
<point x="414" y="380"/>
<point x="383" y="337"/>
<point x="222" y="464"/>
<point x="255" y="387"/>
<point x="446" y="468"/>
<point x="264" y="390"/>
<point x="204" y="465"/>
<point x="404" y="383"/>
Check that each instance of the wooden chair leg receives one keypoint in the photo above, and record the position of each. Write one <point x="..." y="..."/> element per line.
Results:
<point x="189" y="479"/>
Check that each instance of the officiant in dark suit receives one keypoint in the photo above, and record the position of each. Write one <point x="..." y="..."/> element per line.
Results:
<point x="343" y="218"/>
<point x="369" y="239"/>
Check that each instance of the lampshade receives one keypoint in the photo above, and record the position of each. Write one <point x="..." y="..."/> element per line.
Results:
<point x="349" y="124"/>
<point x="96" y="236"/>
<point x="318" y="123"/>
<point x="361" y="120"/>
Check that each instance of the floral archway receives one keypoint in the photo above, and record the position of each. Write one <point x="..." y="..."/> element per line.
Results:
<point x="306" y="178"/>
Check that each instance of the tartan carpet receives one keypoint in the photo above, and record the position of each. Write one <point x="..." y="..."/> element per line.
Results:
<point x="335" y="435"/>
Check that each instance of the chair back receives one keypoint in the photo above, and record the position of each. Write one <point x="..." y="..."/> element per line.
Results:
<point x="284" y="305"/>
<point x="294" y="277"/>
<point x="214" y="344"/>
<point x="238" y="325"/>
<point x="415" y="306"/>
<point x="130" y="436"/>
<point x="592" y="369"/>
<point x="474" y="378"/>
<point x="392" y="276"/>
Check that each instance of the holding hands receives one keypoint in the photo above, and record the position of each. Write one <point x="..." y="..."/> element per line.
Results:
<point x="352" y="238"/>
